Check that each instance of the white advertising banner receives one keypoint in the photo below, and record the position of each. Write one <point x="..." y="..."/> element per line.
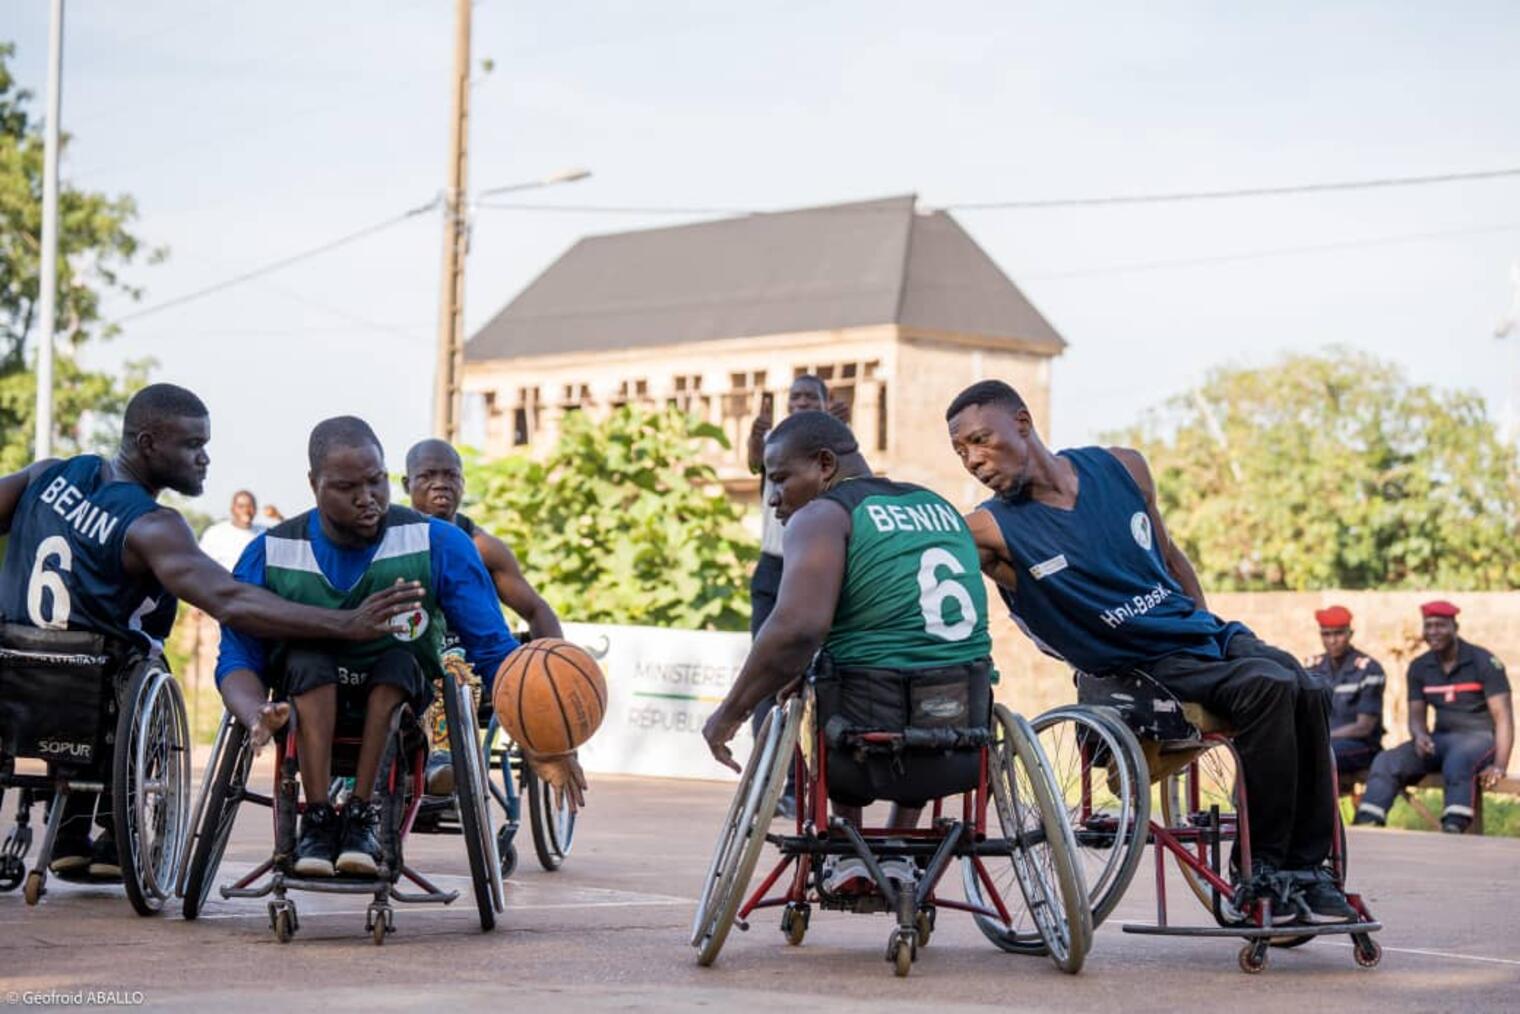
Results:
<point x="661" y="687"/>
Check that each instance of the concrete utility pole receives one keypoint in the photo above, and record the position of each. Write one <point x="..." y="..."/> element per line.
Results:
<point x="456" y="232"/>
<point x="47" y="302"/>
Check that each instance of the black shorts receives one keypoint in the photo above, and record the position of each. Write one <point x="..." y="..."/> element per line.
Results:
<point x="911" y="783"/>
<point x="308" y="669"/>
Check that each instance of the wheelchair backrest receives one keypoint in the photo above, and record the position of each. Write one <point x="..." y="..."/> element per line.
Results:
<point x="57" y="694"/>
<point x="1149" y="709"/>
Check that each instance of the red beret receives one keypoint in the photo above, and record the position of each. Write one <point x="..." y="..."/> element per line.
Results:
<point x="1440" y="607"/>
<point x="1333" y="618"/>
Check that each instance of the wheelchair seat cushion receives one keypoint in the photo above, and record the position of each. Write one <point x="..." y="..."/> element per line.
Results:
<point x="58" y="693"/>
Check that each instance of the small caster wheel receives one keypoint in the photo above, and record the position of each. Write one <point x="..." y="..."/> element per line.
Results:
<point x="1253" y="958"/>
<point x="12" y="872"/>
<point x="924" y="924"/>
<point x="794" y="924"/>
<point x="284" y="925"/>
<point x="377" y="933"/>
<point x="902" y="957"/>
<point x="1368" y="952"/>
<point x="508" y="853"/>
<point x="34" y="890"/>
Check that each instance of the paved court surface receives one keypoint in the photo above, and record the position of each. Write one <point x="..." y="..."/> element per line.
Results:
<point x="608" y="932"/>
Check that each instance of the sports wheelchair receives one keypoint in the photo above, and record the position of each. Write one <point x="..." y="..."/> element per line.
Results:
<point x="103" y="716"/>
<point x="399" y="784"/>
<point x="1032" y="845"/>
<point x="1128" y="733"/>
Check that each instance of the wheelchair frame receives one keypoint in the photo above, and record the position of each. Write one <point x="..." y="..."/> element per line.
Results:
<point x="401" y="772"/>
<point x="146" y="775"/>
<point x="1060" y="908"/>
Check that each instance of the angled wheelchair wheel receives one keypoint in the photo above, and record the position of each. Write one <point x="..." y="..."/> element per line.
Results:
<point x="1042" y="851"/>
<point x="471" y="794"/>
<point x="151" y="786"/>
<point x="1100" y="775"/>
<point x="743" y="835"/>
<point x="553" y="825"/>
<point x="216" y="812"/>
<point x="1190" y="799"/>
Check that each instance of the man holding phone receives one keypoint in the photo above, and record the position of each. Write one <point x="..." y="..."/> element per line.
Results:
<point x="808" y="393"/>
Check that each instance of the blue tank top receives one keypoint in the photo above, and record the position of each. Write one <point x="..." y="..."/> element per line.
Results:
<point x="1092" y="585"/>
<point x="63" y="562"/>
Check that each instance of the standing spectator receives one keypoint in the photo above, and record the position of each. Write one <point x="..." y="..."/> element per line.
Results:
<point x="1356" y="702"/>
<point x="1474" y="729"/>
<point x="272" y="515"/>
<point x="807" y="394"/>
<point x="225" y="541"/>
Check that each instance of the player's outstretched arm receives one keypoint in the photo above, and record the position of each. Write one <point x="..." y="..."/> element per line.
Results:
<point x="13" y="485"/>
<point x="992" y="548"/>
<point x="816" y="540"/>
<point x="162" y="543"/>
<point x="513" y="588"/>
<point x="1176" y="560"/>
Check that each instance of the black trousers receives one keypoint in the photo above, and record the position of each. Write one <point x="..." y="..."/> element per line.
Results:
<point x="1281" y="718"/>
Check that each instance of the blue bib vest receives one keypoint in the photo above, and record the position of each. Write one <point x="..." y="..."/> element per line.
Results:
<point x="1092" y="586"/>
<point x="63" y="561"/>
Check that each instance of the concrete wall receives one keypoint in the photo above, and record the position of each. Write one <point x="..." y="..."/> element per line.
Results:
<point x="1387" y="626"/>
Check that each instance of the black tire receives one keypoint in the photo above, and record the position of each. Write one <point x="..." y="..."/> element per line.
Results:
<point x="219" y="814"/>
<point x="469" y="793"/>
<point x="553" y="827"/>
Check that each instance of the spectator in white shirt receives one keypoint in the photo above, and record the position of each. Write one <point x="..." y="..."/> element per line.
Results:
<point x="225" y="541"/>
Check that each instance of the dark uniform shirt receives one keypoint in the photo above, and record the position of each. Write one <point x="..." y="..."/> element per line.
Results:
<point x="1460" y="697"/>
<point x="1357" y="689"/>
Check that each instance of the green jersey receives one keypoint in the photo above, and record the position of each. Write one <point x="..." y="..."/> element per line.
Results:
<point x="291" y="572"/>
<point x="912" y="596"/>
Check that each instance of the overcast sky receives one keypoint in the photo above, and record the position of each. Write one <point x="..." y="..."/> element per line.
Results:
<point x="248" y="132"/>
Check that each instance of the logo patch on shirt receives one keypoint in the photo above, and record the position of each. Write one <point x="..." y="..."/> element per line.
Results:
<point x="1054" y="565"/>
<point x="1140" y="528"/>
<point x="409" y="626"/>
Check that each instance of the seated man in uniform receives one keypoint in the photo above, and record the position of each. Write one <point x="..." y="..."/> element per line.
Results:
<point x="1475" y="725"/>
<point x="1356" y="683"/>
<point x="882" y="576"/>
<point x="1080" y="554"/>
<point x="435" y="483"/>
<point x="90" y="548"/>
<point x="353" y="543"/>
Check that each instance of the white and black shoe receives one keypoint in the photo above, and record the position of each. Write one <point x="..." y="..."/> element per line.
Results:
<point x="318" y="844"/>
<point x="360" y="854"/>
<point x="846" y="875"/>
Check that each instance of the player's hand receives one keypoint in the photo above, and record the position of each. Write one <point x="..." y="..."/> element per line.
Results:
<point x="718" y="732"/>
<point x="563" y="773"/>
<point x="839" y="410"/>
<point x="1424" y="745"/>
<point x="272" y="718"/>
<point x="373" y="617"/>
<point x="1491" y="776"/>
<point x="761" y="426"/>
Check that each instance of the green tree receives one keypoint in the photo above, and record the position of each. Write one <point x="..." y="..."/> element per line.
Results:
<point x="1334" y="471"/>
<point x="94" y="246"/>
<point x="622" y="524"/>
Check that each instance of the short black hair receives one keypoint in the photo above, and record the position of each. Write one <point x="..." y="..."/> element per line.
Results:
<point x="812" y="378"/>
<point x="807" y="433"/>
<point x="421" y="447"/>
<point x="986" y="392"/>
<point x="157" y="402"/>
<point x="341" y="431"/>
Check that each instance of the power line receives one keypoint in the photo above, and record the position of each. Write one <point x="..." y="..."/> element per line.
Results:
<point x="1170" y="197"/>
<point x="280" y="264"/>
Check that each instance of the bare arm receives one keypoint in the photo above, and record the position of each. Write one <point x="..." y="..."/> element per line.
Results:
<point x="13" y="485"/>
<point x="1359" y="729"/>
<point x="513" y="589"/>
<point x="161" y="542"/>
<point x="757" y="431"/>
<point x="1502" y="709"/>
<point x="1176" y="560"/>
<point x="992" y="549"/>
<point x="1418" y="731"/>
<point x="816" y="539"/>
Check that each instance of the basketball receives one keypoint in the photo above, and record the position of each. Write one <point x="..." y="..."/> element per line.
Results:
<point x="550" y="696"/>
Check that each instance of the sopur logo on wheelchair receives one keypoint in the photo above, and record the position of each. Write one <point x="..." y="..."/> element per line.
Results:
<point x="97" y="716"/>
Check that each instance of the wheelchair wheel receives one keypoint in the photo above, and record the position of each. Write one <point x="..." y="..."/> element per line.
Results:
<point x="216" y="812"/>
<point x="553" y="825"/>
<point x="743" y="834"/>
<point x="1189" y="798"/>
<point x="1042" y="853"/>
<point x="1100" y="773"/>
<point x="470" y="793"/>
<point x="150" y="786"/>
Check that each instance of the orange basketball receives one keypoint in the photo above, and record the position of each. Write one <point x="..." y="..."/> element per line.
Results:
<point x="549" y="695"/>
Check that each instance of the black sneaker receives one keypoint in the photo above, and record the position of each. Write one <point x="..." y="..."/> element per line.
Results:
<point x="360" y="856"/>
<point x="1266" y="883"/>
<point x="1321" y="900"/>
<point x="786" y="807"/>
<point x="318" y="844"/>
<point x="105" y="861"/>
<point x="1454" y="825"/>
<point x="440" y="773"/>
<point x="71" y="856"/>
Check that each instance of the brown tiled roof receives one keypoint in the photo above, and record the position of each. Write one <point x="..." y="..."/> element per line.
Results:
<point x="843" y="265"/>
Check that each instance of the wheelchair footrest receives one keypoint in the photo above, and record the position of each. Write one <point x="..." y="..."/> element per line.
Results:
<point x="1251" y="932"/>
<point x="425" y="897"/>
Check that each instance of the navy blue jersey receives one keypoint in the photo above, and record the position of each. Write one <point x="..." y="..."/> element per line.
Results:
<point x="1093" y="588"/>
<point x="1356" y="689"/>
<point x="63" y="563"/>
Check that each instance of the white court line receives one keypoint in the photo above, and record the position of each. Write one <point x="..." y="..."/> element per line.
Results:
<point x="1435" y="954"/>
<point x="450" y="910"/>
